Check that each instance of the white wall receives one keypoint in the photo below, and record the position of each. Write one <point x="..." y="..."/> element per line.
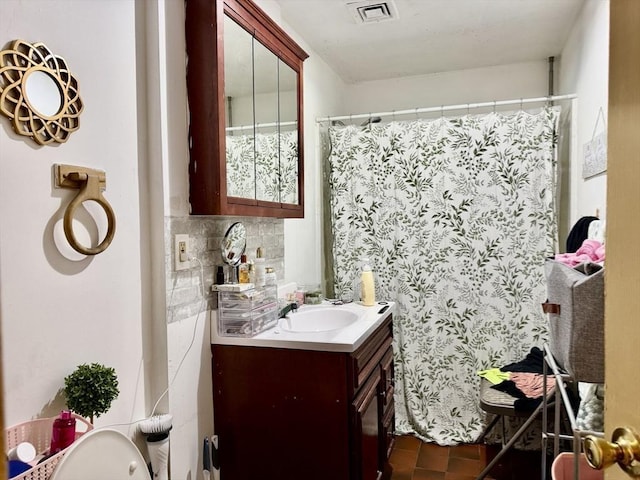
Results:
<point x="503" y="82"/>
<point x="303" y="237"/>
<point x="58" y="312"/>
<point x="191" y="394"/>
<point x="584" y="69"/>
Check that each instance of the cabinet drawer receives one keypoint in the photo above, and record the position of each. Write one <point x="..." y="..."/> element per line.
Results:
<point x="367" y="358"/>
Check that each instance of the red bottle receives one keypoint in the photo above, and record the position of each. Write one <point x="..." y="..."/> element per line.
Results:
<point x="63" y="433"/>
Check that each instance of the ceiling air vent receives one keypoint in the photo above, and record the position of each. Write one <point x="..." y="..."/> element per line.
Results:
<point x="372" y="11"/>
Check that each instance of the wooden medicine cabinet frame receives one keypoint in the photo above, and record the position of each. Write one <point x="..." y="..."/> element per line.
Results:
<point x="206" y="93"/>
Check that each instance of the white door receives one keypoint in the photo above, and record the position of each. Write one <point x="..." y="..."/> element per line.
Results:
<point x="622" y="275"/>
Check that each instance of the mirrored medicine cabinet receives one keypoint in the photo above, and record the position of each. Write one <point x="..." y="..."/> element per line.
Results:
<point x="244" y="82"/>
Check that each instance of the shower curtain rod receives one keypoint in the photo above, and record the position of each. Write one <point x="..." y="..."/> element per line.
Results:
<point x="444" y="108"/>
<point x="262" y="125"/>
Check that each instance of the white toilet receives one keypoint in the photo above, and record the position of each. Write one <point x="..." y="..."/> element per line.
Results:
<point x="103" y="454"/>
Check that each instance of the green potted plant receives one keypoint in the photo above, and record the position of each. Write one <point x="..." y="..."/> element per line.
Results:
<point x="90" y="389"/>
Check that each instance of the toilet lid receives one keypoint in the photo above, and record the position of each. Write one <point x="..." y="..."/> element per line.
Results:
<point x="103" y="454"/>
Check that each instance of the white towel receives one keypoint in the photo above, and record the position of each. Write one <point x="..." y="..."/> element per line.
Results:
<point x="596" y="230"/>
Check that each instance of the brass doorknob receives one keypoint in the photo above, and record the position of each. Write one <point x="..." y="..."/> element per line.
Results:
<point x="624" y="449"/>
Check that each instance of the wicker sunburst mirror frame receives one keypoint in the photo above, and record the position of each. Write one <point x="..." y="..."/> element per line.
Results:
<point x="38" y="93"/>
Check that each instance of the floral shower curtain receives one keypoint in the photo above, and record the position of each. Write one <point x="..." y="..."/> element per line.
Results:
<point x="457" y="215"/>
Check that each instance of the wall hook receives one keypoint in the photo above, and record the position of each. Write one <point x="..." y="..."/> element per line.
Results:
<point x="91" y="184"/>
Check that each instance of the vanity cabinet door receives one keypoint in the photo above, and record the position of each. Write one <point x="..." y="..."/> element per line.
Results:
<point x="386" y="384"/>
<point x="387" y="407"/>
<point x="366" y="430"/>
<point x="388" y="421"/>
<point x="281" y="414"/>
<point x="371" y="374"/>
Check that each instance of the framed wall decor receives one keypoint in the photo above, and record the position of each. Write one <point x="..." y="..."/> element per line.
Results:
<point x="594" y="152"/>
<point x="38" y="93"/>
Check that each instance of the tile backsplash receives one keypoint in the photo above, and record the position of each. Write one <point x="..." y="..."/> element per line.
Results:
<point x="184" y="293"/>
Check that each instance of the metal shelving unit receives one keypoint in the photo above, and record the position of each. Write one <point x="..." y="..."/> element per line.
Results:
<point x="562" y="378"/>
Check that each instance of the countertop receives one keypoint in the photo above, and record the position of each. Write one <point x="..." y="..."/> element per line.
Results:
<point x="346" y="339"/>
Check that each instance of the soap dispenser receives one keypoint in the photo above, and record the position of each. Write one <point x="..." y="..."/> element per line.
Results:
<point x="367" y="284"/>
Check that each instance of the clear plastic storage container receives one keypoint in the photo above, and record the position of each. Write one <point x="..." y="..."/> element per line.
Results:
<point x="313" y="294"/>
<point x="247" y="313"/>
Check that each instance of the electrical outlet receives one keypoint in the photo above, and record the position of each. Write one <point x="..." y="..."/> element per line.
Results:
<point x="181" y="252"/>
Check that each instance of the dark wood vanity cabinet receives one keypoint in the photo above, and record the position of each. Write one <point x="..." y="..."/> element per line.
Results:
<point x="291" y="414"/>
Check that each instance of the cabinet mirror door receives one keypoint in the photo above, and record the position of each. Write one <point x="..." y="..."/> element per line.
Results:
<point x="238" y="109"/>
<point x="261" y="114"/>
<point x="266" y="139"/>
<point x="288" y="93"/>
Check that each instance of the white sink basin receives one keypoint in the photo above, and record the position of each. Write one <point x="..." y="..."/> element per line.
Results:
<point x="322" y="328"/>
<point x="322" y="319"/>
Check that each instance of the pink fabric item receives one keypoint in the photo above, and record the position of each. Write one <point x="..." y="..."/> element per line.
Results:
<point x="589" y="247"/>
<point x="531" y="384"/>
<point x="589" y="251"/>
<point x="562" y="468"/>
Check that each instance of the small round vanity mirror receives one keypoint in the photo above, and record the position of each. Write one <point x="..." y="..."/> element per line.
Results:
<point x="234" y="243"/>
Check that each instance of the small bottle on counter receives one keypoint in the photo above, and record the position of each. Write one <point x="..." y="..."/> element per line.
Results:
<point x="243" y="270"/>
<point x="259" y="266"/>
<point x="220" y="275"/>
<point x="367" y="285"/>
<point x="270" y="276"/>
<point x="299" y="295"/>
<point x="252" y="272"/>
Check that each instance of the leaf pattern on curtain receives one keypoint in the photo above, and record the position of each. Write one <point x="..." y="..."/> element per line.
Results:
<point x="457" y="215"/>
<point x="289" y="167"/>
<point x="240" y="166"/>
<point x="266" y="169"/>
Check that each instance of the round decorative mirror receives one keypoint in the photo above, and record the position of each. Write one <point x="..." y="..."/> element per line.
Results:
<point x="234" y="243"/>
<point x="42" y="93"/>
<point x="38" y="93"/>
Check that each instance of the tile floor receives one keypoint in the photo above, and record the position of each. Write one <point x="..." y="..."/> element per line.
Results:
<point x="412" y="459"/>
